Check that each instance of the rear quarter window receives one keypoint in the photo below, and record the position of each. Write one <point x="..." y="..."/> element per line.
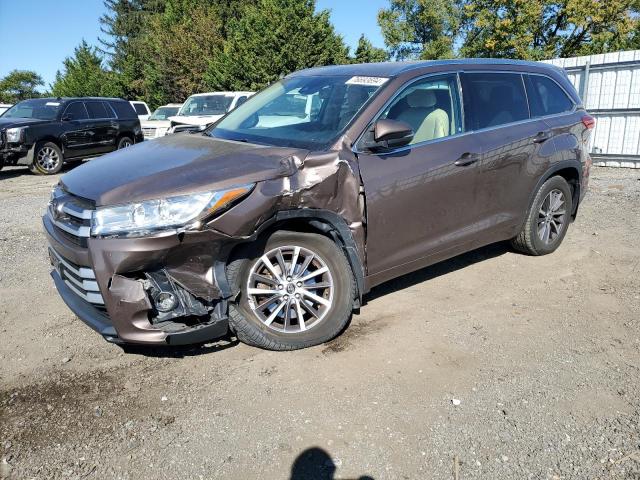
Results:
<point x="493" y="99"/>
<point x="123" y="110"/>
<point x="546" y="97"/>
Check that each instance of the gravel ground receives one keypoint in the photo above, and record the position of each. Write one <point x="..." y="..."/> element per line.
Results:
<point x="491" y="365"/>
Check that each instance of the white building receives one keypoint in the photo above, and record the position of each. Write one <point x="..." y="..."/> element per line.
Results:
<point x="609" y="85"/>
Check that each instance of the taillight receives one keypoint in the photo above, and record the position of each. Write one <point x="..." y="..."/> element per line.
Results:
<point x="588" y="121"/>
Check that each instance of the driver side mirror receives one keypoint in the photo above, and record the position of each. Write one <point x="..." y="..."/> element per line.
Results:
<point x="390" y="134"/>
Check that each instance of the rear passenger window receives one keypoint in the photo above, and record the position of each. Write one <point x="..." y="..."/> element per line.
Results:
<point x="546" y="97"/>
<point x="97" y="110"/>
<point x="493" y="99"/>
<point x="431" y="107"/>
<point x="75" y="111"/>
<point x="123" y="109"/>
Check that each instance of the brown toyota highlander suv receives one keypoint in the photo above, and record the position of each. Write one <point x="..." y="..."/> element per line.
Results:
<point x="275" y="222"/>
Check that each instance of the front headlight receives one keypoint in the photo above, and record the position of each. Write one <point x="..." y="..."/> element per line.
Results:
<point x="14" y="135"/>
<point x="137" y="219"/>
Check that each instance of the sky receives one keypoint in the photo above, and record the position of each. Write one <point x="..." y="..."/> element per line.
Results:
<point x="38" y="34"/>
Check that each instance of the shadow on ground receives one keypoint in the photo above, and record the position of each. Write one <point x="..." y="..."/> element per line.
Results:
<point x="443" y="268"/>
<point x="316" y="464"/>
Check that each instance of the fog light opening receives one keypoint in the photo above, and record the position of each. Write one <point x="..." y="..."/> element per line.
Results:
<point x="166" y="301"/>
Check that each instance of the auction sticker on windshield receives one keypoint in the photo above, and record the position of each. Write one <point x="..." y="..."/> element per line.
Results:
<point x="373" y="81"/>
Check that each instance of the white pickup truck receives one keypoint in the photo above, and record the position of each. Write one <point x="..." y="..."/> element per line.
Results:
<point x="4" y="107"/>
<point x="203" y="109"/>
<point x="141" y="108"/>
<point x="158" y="123"/>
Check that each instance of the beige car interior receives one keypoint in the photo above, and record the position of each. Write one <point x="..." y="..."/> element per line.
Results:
<point x="425" y="113"/>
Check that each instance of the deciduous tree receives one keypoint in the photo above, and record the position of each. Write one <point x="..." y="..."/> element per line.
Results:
<point x="525" y="29"/>
<point x="19" y="85"/>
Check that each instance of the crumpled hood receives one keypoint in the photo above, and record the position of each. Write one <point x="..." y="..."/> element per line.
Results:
<point x="176" y="165"/>
<point x="195" y="119"/>
<point x="20" y="122"/>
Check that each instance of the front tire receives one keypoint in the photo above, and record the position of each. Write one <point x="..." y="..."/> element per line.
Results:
<point x="547" y="220"/>
<point x="296" y="291"/>
<point x="47" y="159"/>
<point x="124" y="142"/>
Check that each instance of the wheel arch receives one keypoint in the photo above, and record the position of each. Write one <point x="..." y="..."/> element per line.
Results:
<point x="323" y="222"/>
<point x="571" y="171"/>
<point x="51" y="139"/>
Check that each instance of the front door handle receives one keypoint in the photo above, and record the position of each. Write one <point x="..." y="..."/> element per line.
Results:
<point x="467" y="159"/>
<point x="542" y="137"/>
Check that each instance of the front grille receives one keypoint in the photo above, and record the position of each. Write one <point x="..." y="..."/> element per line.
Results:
<point x="71" y="216"/>
<point x="149" y="132"/>
<point x="82" y="280"/>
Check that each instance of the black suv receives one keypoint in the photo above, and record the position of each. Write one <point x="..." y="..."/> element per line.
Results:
<point x="43" y="133"/>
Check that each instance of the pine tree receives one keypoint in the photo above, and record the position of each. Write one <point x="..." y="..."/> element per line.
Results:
<point x="272" y="38"/>
<point x="83" y="75"/>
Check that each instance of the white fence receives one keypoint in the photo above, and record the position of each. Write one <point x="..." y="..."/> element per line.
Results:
<point x="609" y="85"/>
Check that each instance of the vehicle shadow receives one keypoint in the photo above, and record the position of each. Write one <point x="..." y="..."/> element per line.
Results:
<point x="438" y="269"/>
<point x="13" y="172"/>
<point x="316" y="464"/>
<point x="19" y="171"/>
<point x="181" y="351"/>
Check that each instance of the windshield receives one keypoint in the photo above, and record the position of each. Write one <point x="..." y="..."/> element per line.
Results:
<point x="40" y="108"/>
<point x="206" y="105"/>
<point x="302" y="112"/>
<point x="163" y="113"/>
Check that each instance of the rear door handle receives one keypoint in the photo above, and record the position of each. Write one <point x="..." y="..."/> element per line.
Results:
<point x="542" y="137"/>
<point x="467" y="159"/>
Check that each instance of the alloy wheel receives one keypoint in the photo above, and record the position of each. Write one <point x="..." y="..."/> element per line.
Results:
<point x="125" y="143"/>
<point x="290" y="289"/>
<point x="47" y="159"/>
<point x="551" y="216"/>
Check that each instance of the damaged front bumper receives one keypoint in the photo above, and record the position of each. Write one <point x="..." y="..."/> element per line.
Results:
<point x="16" y="154"/>
<point x="113" y="284"/>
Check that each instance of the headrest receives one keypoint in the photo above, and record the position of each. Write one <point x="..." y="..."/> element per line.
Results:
<point x="421" y="98"/>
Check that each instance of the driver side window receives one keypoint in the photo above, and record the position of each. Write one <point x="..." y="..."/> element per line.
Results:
<point x="430" y="106"/>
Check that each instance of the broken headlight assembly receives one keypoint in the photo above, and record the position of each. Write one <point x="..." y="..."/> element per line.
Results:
<point x="153" y="216"/>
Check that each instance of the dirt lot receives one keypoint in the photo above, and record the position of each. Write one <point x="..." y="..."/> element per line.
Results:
<point x="543" y="355"/>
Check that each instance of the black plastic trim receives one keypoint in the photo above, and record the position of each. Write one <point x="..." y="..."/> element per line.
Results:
<point x="200" y="334"/>
<point x="337" y="223"/>
<point x="555" y="168"/>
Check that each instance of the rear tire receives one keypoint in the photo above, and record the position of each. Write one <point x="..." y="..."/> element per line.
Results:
<point x="547" y="220"/>
<point x="267" y="310"/>
<point x="47" y="159"/>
